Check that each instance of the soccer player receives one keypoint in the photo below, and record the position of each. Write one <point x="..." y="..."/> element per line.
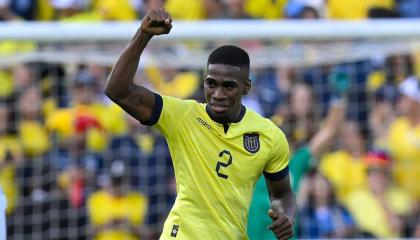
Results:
<point x="219" y="149"/>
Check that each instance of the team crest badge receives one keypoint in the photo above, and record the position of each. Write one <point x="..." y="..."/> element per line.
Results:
<point x="252" y="142"/>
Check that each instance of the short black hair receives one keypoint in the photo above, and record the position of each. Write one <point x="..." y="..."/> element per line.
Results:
<point x="229" y="55"/>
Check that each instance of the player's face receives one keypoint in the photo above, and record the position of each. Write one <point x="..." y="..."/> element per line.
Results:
<point x="224" y="86"/>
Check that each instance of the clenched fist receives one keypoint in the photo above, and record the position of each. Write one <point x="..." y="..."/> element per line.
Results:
<point x="156" y="22"/>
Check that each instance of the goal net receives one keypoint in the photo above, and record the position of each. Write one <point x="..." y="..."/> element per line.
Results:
<point x="62" y="141"/>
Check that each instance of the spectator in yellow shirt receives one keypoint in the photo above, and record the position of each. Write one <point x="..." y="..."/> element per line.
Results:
<point x="170" y="81"/>
<point x="355" y="9"/>
<point x="379" y="208"/>
<point x="186" y="10"/>
<point x="265" y="9"/>
<point x="112" y="10"/>
<point x="85" y="103"/>
<point x="404" y="138"/>
<point x="344" y="168"/>
<point x="31" y="131"/>
<point x="116" y="211"/>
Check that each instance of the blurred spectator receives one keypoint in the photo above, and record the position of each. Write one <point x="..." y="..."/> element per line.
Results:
<point x="355" y="9"/>
<point x="116" y="211"/>
<point x="13" y="79"/>
<point x="399" y="67"/>
<point x="214" y="9"/>
<point x="185" y="10"/>
<point x="319" y="6"/>
<point x="235" y="9"/>
<point x="125" y="147"/>
<point x="104" y="10"/>
<point x="382" y="114"/>
<point x="265" y="9"/>
<point x="307" y="157"/>
<point x="81" y="137"/>
<point x="30" y="125"/>
<point x="408" y="8"/>
<point x="404" y="138"/>
<point x="299" y="124"/>
<point x="173" y="82"/>
<point x="18" y="9"/>
<point x="23" y="76"/>
<point x="111" y="10"/>
<point x="68" y="8"/>
<point x="344" y="167"/>
<point x="395" y="69"/>
<point x="302" y="160"/>
<point x="87" y="119"/>
<point x="298" y="10"/>
<point x="322" y="216"/>
<point x="379" y="208"/>
<point x="309" y="13"/>
<point x="53" y="86"/>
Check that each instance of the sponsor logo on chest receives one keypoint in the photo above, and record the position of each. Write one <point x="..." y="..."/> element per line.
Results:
<point x="204" y="124"/>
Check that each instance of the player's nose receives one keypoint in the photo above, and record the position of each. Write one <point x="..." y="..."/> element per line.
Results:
<point x="218" y="93"/>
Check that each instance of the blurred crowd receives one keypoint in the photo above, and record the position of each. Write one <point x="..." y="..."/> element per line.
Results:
<point x="353" y="130"/>
<point x="69" y="158"/>
<point x="128" y="10"/>
<point x="75" y="166"/>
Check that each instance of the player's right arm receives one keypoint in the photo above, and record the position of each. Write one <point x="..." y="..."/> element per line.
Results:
<point x="136" y="100"/>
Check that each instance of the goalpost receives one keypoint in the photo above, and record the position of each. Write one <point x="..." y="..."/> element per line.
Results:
<point x="53" y="54"/>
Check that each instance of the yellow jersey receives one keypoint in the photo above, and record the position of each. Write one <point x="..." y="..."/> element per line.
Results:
<point x="404" y="144"/>
<point x="216" y="170"/>
<point x="362" y="203"/>
<point x="344" y="171"/>
<point x="102" y="208"/>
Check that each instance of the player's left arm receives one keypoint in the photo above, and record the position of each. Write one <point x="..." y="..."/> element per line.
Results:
<point x="283" y="207"/>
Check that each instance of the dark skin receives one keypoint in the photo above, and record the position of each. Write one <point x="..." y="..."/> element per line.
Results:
<point x="224" y="87"/>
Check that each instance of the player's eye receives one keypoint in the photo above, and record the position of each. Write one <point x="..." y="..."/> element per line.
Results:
<point x="210" y="83"/>
<point x="230" y="85"/>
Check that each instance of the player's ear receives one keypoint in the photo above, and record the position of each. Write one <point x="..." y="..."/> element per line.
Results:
<point x="247" y="87"/>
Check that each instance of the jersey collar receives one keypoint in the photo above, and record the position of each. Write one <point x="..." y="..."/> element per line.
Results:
<point x="241" y="114"/>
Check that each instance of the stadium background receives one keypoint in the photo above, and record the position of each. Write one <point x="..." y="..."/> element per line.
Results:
<point x="62" y="142"/>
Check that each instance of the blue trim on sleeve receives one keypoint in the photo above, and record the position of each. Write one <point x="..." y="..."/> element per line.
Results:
<point x="157" y="110"/>
<point x="277" y="175"/>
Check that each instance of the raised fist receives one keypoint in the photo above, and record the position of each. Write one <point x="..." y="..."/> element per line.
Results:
<point x="156" y="22"/>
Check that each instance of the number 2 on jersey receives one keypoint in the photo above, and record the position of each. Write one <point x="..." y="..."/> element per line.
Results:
<point x="223" y="164"/>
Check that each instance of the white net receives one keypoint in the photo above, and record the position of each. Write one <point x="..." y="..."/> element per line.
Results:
<point x="62" y="140"/>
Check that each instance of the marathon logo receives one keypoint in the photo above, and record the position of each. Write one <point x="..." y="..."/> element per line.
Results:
<point x="204" y="123"/>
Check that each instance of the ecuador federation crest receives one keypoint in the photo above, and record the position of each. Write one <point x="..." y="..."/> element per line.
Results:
<point x="252" y="142"/>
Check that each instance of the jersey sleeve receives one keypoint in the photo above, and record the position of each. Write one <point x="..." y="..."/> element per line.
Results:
<point x="277" y="167"/>
<point x="171" y="114"/>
